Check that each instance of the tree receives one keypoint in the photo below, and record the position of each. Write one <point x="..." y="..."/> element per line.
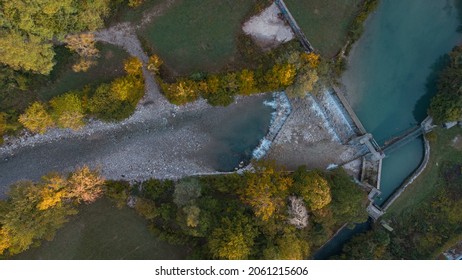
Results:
<point x="29" y="27"/>
<point x="133" y="66"/>
<point x="314" y="189"/>
<point x="287" y="247"/>
<point x="128" y="88"/>
<point x="23" y="223"/>
<point x="233" y="239"/>
<point x="29" y="54"/>
<point x="311" y="58"/>
<point x="53" y="190"/>
<point x="135" y="3"/>
<point x="36" y="118"/>
<point x="68" y="110"/>
<point x="265" y="190"/>
<point x="154" y="63"/>
<point x="84" y="45"/>
<point x="446" y="106"/>
<point x="85" y="185"/>
<point x="280" y="76"/>
<point x="303" y="84"/>
<point x="247" y="83"/>
<point x="186" y="192"/>
<point x="181" y="92"/>
<point x="2" y="125"/>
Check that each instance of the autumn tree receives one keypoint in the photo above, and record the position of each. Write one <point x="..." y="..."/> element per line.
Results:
<point x="68" y="110"/>
<point x="2" y="126"/>
<point x="26" y="53"/>
<point x="133" y="66"/>
<point x="127" y="88"/>
<point x="154" y="63"/>
<point x="233" y="239"/>
<point x="29" y="28"/>
<point x="36" y="118"/>
<point x="265" y="190"/>
<point x="313" y="188"/>
<point x="85" y="185"/>
<point x="304" y="83"/>
<point x="53" y="190"/>
<point x="247" y="82"/>
<point x="280" y="76"/>
<point x="288" y="246"/>
<point x="84" y="45"/>
<point x="23" y="222"/>
<point x="135" y="3"/>
<point x="181" y="92"/>
<point x="311" y="58"/>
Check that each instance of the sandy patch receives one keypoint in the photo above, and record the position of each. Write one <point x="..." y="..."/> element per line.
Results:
<point x="267" y="29"/>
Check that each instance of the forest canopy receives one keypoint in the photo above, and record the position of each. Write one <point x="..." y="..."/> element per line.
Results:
<point x="28" y="29"/>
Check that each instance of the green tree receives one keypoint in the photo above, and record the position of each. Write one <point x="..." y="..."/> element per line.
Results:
<point x="233" y="239"/>
<point x="446" y="106"/>
<point x="265" y="190"/>
<point x="128" y="88"/>
<point x="22" y="223"/>
<point x="68" y="110"/>
<point x="287" y="247"/>
<point x="28" y="28"/>
<point x="314" y="189"/>
<point x="36" y="118"/>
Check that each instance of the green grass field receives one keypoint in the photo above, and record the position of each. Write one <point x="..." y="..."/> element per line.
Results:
<point x="198" y="35"/>
<point x="426" y="185"/>
<point x="101" y="231"/>
<point x="324" y="22"/>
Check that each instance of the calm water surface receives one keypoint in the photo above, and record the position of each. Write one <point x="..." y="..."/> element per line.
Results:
<point x="392" y="74"/>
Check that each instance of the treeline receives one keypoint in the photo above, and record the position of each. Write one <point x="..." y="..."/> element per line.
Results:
<point x="293" y="70"/>
<point x="446" y="106"/>
<point x="109" y="102"/>
<point x="266" y="214"/>
<point x="34" y="211"/>
<point x="421" y="233"/>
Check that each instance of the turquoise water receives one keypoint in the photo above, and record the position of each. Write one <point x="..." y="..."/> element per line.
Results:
<point x="392" y="74"/>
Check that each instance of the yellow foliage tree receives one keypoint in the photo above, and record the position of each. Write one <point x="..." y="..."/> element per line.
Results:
<point x="311" y="58"/>
<point x="85" y="185"/>
<point x="233" y="240"/>
<point x="127" y="88"/>
<point x="314" y="189"/>
<point x="84" y="45"/>
<point x="154" y="63"/>
<point x="280" y="75"/>
<point x="2" y="125"/>
<point x="68" y="110"/>
<point x="135" y="3"/>
<point x="265" y="190"/>
<point x="36" y="118"/>
<point x="133" y="66"/>
<point x="53" y="191"/>
<point x="247" y="83"/>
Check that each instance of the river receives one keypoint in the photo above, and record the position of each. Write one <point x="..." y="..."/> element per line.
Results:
<point x="392" y="74"/>
<point x="391" y="77"/>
